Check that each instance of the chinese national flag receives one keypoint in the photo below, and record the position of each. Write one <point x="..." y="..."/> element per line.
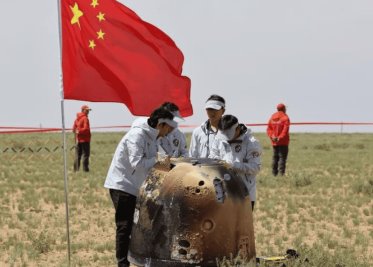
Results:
<point x="110" y="55"/>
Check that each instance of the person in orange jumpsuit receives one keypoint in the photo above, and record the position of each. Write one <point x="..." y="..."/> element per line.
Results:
<point x="82" y="132"/>
<point x="278" y="132"/>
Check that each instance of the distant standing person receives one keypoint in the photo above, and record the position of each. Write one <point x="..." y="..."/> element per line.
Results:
<point x="278" y="132"/>
<point x="82" y="135"/>
<point x="173" y="144"/>
<point x="235" y="145"/>
<point x="135" y="155"/>
<point x="203" y="136"/>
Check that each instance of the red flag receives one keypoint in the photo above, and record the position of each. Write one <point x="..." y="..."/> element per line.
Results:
<point x="110" y="55"/>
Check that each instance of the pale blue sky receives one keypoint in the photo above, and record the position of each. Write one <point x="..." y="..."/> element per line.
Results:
<point x="315" y="56"/>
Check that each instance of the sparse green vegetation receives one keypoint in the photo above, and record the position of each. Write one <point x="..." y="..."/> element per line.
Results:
<point x="323" y="207"/>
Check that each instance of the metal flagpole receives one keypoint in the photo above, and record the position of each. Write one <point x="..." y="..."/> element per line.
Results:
<point x="66" y="185"/>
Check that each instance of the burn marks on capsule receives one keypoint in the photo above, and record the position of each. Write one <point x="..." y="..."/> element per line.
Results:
<point x="198" y="190"/>
<point x="244" y="247"/>
<point x="185" y="248"/>
<point x="180" y="217"/>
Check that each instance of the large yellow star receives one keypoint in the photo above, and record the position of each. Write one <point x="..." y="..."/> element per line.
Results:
<point x="101" y="16"/>
<point x="100" y="34"/>
<point x="94" y="3"/>
<point x="77" y="14"/>
<point x="92" y="44"/>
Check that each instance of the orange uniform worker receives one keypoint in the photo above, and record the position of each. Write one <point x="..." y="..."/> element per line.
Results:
<point x="82" y="132"/>
<point x="278" y="132"/>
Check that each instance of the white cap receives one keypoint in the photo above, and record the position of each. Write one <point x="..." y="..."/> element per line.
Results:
<point x="227" y="134"/>
<point x="177" y="116"/>
<point x="214" y="104"/>
<point x="171" y="123"/>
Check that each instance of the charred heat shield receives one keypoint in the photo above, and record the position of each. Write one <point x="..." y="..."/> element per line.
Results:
<point x="191" y="215"/>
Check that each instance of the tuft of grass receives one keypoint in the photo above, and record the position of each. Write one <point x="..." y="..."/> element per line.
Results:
<point x="302" y="180"/>
<point x="323" y="147"/>
<point x="41" y="242"/>
<point x="310" y="256"/>
<point x="360" y="146"/>
<point x="235" y="262"/>
<point x="364" y="187"/>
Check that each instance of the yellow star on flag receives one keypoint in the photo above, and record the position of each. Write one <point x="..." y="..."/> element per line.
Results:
<point x="92" y="44"/>
<point x="101" y="16"/>
<point x="77" y="14"/>
<point x="94" y="3"/>
<point x="100" y="34"/>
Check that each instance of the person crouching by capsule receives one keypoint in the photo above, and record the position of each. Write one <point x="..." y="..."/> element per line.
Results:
<point x="235" y="145"/>
<point x="135" y="155"/>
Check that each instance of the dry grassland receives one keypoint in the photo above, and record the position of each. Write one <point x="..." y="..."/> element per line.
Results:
<point x="323" y="207"/>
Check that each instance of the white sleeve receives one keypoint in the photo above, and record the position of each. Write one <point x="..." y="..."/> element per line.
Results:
<point x="183" y="145"/>
<point x="164" y="146"/>
<point x="251" y="163"/>
<point x="136" y="154"/>
<point x="215" y="151"/>
<point x="194" y="145"/>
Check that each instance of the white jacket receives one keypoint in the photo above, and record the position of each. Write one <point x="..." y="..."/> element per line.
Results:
<point x="174" y="144"/>
<point x="243" y="155"/>
<point x="201" y="141"/>
<point x="134" y="157"/>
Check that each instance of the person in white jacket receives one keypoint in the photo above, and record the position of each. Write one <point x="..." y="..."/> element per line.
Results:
<point x="236" y="146"/>
<point x="203" y="136"/>
<point x="135" y="155"/>
<point x="173" y="144"/>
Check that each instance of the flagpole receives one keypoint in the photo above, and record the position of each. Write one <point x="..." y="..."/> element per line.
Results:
<point x="66" y="185"/>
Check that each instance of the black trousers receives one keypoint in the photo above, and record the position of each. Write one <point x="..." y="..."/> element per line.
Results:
<point x="124" y="205"/>
<point x="82" y="150"/>
<point x="280" y="155"/>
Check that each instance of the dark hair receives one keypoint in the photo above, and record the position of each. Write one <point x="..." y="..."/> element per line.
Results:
<point x="170" y="106"/>
<point x="226" y="122"/>
<point x="217" y="98"/>
<point x="159" y="113"/>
